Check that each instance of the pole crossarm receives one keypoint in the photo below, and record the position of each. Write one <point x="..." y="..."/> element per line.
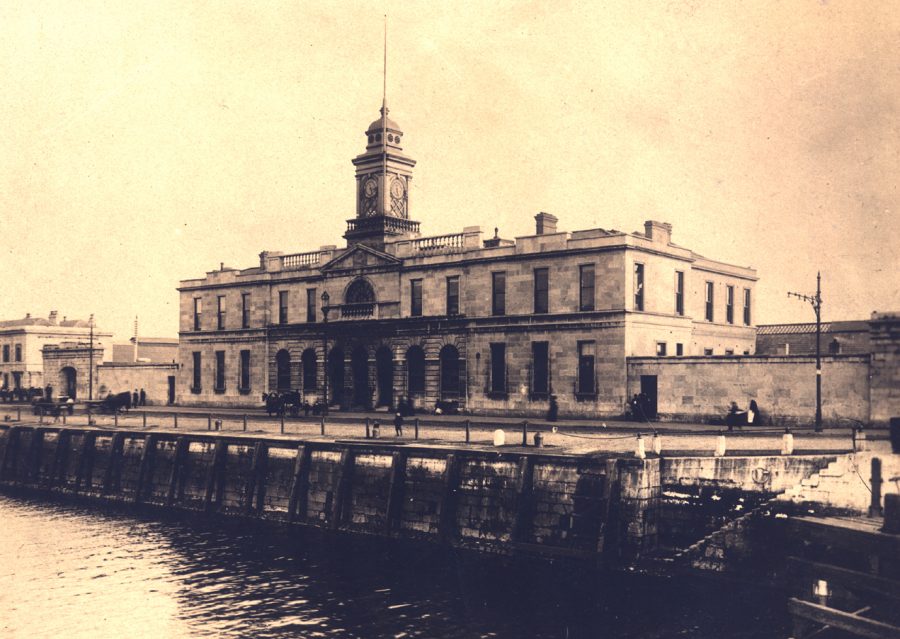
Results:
<point x="816" y="303"/>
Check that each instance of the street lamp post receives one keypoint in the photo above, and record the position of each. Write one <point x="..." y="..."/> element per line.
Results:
<point x="91" y="360"/>
<point x="325" y="298"/>
<point x="816" y="302"/>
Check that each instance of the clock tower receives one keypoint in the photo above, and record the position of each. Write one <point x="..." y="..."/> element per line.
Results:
<point x="383" y="175"/>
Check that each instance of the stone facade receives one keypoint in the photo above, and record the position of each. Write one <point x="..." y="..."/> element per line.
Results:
<point x="68" y="369"/>
<point x="21" y="343"/>
<point x="117" y="377"/>
<point x="836" y="338"/>
<point x="885" y="366"/>
<point x="419" y="317"/>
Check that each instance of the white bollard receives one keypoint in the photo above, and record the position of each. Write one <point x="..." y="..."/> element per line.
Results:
<point x="787" y="443"/>
<point x="720" y="446"/>
<point x="656" y="444"/>
<point x="499" y="437"/>
<point x="639" y="451"/>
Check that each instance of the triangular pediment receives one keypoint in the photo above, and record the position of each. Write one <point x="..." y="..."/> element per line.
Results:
<point x="360" y="256"/>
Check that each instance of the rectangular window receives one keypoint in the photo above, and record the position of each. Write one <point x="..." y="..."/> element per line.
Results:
<point x="415" y="298"/>
<point x="198" y="365"/>
<point x="729" y="351"/>
<point x="311" y="305"/>
<point x="709" y="301"/>
<point x="585" y="383"/>
<point x="639" y="287"/>
<point x="660" y="349"/>
<point x="245" y="310"/>
<point x="5" y="380"/>
<point x="498" y="293"/>
<point x="198" y="312"/>
<point x="220" y="312"/>
<point x="6" y="352"/>
<point x="586" y="287"/>
<point x="540" y="366"/>
<point x="707" y="351"/>
<point x="729" y="304"/>
<point x="747" y="307"/>
<point x="498" y="369"/>
<point x="679" y="349"/>
<point x="541" y="290"/>
<point x="453" y="295"/>
<point x="244" y="372"/>
<point x="18" y="352"/>
<point x="679" y="293"/>
<point x="282" y="307"/>
<point x="220" y="371"/>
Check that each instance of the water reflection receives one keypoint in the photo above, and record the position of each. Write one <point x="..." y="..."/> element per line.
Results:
<point x="68" y="571"/>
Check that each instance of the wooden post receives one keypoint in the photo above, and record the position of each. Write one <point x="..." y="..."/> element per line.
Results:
<point x="64" y="417"/>
<point x="60" y="458"/>
<point x="175" y="419"/>
<point x="395" y="493"/>
<point x="245" y="422"/>
<point x="116" y="418"/>
<point x="322" y="426"/>
<point x="875" y="509"/>
<point x="525" y="434"/>
<point x="416" y="424"/>
<point x="467" y="431"/>
<point x="447" y="522"/>
<point x="145" y="472"/>
<point x="209" y="421"/>
<point x="18" y="413"/>
<point x="342" y="488"/>
<point x="215" y="471"/>
<point x="367" y="428"/>
<point x="144" y="416"/>
<point x="9" y="453"/>
<point x="524" y="493"/>
<point x="300" y="483"/>
<point x="115" y="452"/>
<point x="282" y="422"/>
<point x="179" y="457"/>
<point x="85" y="471"/>
<point x="256" y="480"/>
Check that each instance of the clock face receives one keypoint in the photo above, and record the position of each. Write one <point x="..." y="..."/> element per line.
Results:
<point x="370" y="188"/>
<point x="397" y="189"/>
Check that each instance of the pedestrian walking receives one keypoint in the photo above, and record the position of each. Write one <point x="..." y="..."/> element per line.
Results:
<point x="398" y="425"/>
<point x="143" y="397"/>
<point x="135" y="398"/>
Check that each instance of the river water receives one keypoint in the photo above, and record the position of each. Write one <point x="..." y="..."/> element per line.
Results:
<point x="67" y="570"/>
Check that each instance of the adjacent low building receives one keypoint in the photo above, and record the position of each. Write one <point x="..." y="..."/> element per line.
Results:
<point x="488" y="324"/>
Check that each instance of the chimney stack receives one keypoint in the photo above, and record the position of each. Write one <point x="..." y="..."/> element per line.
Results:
<point x="658" y="231"/>
<point x="545" y="223"/>
<point x="53" y="319"/>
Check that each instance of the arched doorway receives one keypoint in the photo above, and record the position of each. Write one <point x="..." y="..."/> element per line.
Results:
<point x="308" y="360"/>
<point x="384" y="367"/>
<point x="283" y="370"/>
<point x="449" y="358"/>
<point x="69" y="382"/>
<point x="336" y="376"/>
<point x="359" y="361"/>
<point x="415" y="371"/>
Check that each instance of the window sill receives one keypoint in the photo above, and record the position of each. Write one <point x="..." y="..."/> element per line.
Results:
<point x="219" y="391"/>
<point x="196" y="390"/>
<point x="244" y="391"/>
<point x="539" y="397"/>
<point x="498" y="395"/>
<point x="585" y="309"/>
<point x="586" y="397"/>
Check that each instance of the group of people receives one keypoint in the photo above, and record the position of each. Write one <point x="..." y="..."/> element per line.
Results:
<point x="20" y="394"/>
<point x="638" y="408"/>
<point x="738" y="417"/>
<point x="134" y="399"/>
<point x="398" y="426"/>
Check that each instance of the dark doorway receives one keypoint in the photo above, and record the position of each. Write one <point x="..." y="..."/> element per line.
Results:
<point x="70" y="378"/>
<point x="336" y="376"/>
<point x="283" y="370"/>
<point x="648" y="389"/>
<point x="384" y="366"/>
<point x="415" y="371"/>
<point x="309" y="369"/>
<point x="171" y="389"/>
<point x="449" y="372"/>
<point x="362" y="394"/>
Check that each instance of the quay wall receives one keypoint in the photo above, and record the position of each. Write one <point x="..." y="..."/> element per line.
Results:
<point x="503" y="502"/>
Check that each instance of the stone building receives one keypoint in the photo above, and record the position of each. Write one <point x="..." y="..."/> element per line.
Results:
<point x="21" y="343"/>
<point x="492" y="324"/>
<point x="836" y="338"/>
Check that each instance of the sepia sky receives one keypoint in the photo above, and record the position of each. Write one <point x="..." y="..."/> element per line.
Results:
<point x="142" y="143"/>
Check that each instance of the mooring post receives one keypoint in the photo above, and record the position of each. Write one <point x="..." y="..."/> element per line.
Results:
<point x="468" y="435"/>
<point x="343" y="482"/>
<point x="299" y="483"/>
<point x="395" y="492"/>
<point x="116" y="418"/>
<point x="245" y="422"/>
<point x="144" y="416"/>
<point x="367" y="428"/>
<point x="639" y="451"/>
<point x="720" y="445"/>
<point x="322" y="426"/>
<point x="175" y="419"/>
<point x="875" y="509"/>
<point x="656" y="443"/>
<point x="525" y="433"/>
<point x="787" y="442"/>
<point x="282" y="422"/>
<point x="64" y="418"/>
<point x="18" y="413"/>
<point x="209" y="421"/>
<point x="416" y="424"/>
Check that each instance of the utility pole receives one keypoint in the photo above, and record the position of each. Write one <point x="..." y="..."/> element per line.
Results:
<point x="91" y="360"/>
<point x="325" y="309"/>
<point x="816" y="302"/>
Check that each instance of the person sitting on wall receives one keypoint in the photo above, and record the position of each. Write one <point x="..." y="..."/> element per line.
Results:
<point x="735" y="416"/>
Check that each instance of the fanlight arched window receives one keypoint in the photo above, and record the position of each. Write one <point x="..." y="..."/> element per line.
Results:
<point x="359" y="300"/>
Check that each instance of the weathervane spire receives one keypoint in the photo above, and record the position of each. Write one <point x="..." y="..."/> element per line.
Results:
<point x="384" y="107"/>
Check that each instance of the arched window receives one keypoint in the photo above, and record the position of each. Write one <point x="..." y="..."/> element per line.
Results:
<point x="283" y="370"/>
<point x="415" y="368"/>
<point x="309" y="369"/>
<point x="360" y="292"/>
<point x="449" y="372"/>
